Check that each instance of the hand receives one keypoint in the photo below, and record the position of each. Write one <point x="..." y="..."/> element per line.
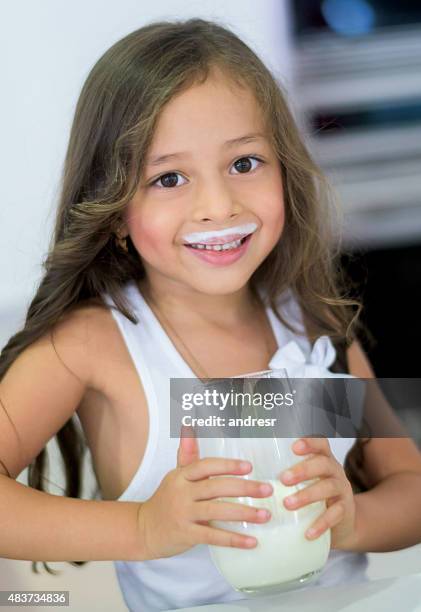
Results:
<point x="177" y="515"/>
<point x="333" y="487"/>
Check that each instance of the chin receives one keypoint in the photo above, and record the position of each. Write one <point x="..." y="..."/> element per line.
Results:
<point x="219" y="286"/>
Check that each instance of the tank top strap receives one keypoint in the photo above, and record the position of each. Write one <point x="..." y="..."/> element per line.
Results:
<point x="161" y="340"/>
<point x="287" y="306"/>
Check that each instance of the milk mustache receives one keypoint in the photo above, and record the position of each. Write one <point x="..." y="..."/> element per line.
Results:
<point x="283" y="557"/>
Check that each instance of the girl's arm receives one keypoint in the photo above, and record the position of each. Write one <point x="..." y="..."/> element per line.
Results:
<point x="39" y="393"/>
<point x="388" y="515"/>
<point x="37" y="526"/>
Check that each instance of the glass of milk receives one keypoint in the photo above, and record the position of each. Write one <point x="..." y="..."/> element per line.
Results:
<point x="283" y="558"/>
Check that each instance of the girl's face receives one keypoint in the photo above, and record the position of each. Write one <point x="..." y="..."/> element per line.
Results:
<point x="204" y="183"/>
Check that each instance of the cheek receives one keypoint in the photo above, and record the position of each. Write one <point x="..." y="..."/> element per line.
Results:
<point x="273" y="219"/>
<point x="280" y="215"/>
<point x="273" y="210"/>
<point x="272" y="194"/>
<point x="148" y="232"/>
<point x="147" y="239"/>
<point x="144" y="239"/>
<point x="276" y="223"/>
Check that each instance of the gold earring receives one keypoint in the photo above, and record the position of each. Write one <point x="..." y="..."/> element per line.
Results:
<point x="122" y="243"/>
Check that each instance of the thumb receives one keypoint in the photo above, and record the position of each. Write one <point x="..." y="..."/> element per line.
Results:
<point x="188" y="450"/>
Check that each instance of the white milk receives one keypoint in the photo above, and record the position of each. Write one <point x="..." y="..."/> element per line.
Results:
<point x="283" y="553"/>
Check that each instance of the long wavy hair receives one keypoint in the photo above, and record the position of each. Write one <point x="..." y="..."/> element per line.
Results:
<point x="113" y="126"/>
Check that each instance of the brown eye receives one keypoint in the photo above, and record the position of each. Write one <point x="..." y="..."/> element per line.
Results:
<point x="244" y="164"/>
<point x="168" y="180"/>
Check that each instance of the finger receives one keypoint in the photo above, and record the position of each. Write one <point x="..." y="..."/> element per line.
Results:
<point x="222" y="537"/>
<point x="188" y="449"/>
<point x="216" y="466"/>
<point x="213" y="488"/>
<point x="303" y="446"/>
<point x="321" y="490"/>
<point x="225" y="511"/>
<point x="317" y="466"/>
<point x="333" y="515"/>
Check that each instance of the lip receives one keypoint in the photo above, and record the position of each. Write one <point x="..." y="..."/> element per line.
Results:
<point x="221" y="258"/>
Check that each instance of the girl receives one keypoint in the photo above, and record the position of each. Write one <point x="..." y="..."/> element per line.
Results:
<point x="192" y="239"/>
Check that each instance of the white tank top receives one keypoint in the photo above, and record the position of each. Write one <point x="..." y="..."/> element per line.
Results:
<point x="191" y="578"/>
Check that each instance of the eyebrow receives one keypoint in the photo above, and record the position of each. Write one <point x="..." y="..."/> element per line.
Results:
<point x="160" y="159"/>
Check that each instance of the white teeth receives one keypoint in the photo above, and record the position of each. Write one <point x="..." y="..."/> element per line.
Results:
<point x="232" y="245"/>
<point x="218" y="247"/>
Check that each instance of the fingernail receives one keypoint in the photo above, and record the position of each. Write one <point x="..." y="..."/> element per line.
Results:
<point x="311" y="532"/>
<point x="251" y="542"/>
<point x="291" y="500"/>
<point x="245" y="465"/>
<point x="300" y="445"/>
<point x="263" y="514"/>
<point x="266" y="488"/>
<point x="287" y="475"/>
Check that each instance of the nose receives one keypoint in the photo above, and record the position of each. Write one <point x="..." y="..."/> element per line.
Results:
<point x="215" y="203"/>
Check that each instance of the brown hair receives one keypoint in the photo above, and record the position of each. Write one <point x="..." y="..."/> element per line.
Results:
<point x="113" y="126"/>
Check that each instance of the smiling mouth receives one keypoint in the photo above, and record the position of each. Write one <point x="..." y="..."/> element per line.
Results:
<point x="220" y="248"/>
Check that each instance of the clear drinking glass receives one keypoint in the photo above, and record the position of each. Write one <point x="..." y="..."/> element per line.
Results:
<point x="283" y="558"/>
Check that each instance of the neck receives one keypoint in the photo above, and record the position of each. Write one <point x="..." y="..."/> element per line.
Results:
<point x="220" y="310"/>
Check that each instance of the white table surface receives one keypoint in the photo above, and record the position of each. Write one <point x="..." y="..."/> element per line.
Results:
<point x="400" y="594"/>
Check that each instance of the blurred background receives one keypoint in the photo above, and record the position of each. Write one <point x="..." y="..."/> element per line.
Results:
<point x="352" y="69"/>
<point x="356" y="72"/>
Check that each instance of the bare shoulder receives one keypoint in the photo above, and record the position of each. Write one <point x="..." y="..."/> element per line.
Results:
<point x="42" y="388"/>
<point x="65" y="345"/>
<point x="49" y="379"/>
<point x="358" y="362"/>
<point x="74" y="336"/>
<point x="87" y="338"/>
